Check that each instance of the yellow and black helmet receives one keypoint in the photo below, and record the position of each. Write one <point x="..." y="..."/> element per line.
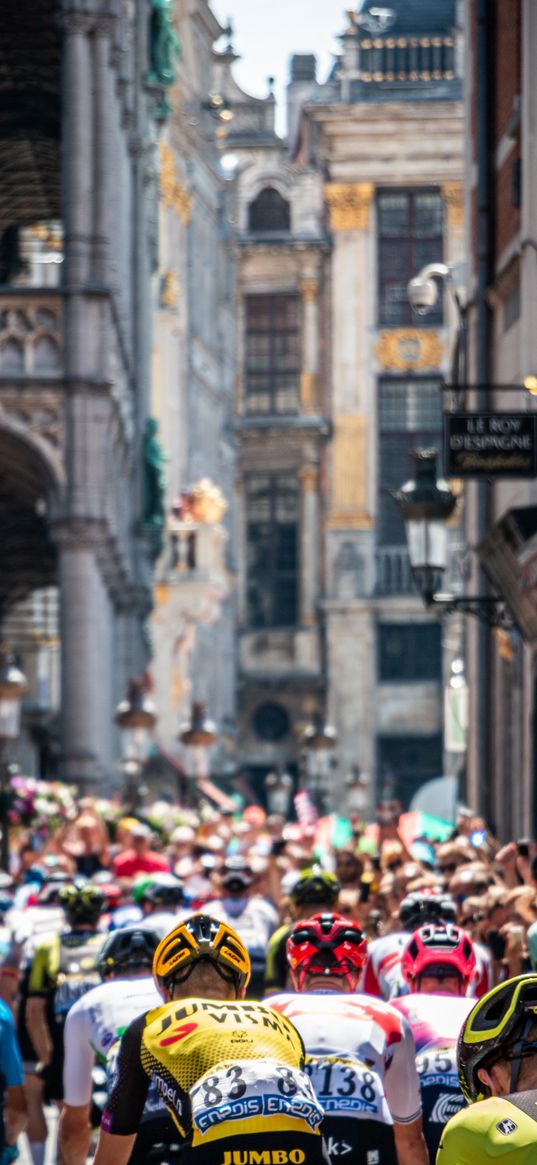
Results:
<point x="201" y="937"/>
<point x="496" y="1029"/>
<point x="83" y="902"/>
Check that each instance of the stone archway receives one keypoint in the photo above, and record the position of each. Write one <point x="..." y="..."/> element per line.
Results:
<point x="28" y="485"/>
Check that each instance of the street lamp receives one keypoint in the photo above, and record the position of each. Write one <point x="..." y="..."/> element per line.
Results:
<point x="198" y="735"/>
<point x="136" y="718"/>
<point x="13" y="685"/>
<point x="426" y="504"/>
<point x="319" y="740"/>
<point x="279" y="786"/>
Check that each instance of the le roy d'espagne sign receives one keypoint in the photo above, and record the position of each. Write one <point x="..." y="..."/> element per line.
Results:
<point x="490" y="444"/>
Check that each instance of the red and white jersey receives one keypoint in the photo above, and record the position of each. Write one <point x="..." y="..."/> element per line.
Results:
<point x="363" y="1029"/>
<point x="436" y="1020"/>
<point x="382" y="974"/>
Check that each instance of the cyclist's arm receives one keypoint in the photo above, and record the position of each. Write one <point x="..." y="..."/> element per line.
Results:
<point x="15" y="1113"/>
<point x="410" y="1143"/>
<point x="74" y="1134"/>
<point x="125" y="1106"/>
<point x="79" y="1058"/>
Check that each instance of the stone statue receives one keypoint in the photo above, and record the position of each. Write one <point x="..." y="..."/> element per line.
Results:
<point x="154" y="486"/>
<point x="164" y="43"/>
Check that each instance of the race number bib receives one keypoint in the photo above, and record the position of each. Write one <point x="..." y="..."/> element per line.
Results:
<point x="439" y="1084"/>
<point x="347" y="1087"/>
<point x="253" y="1088"/>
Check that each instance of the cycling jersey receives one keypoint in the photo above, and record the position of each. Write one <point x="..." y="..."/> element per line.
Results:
<point x="224" y="1070"/>
<point x="277" y="976"/>
<point x="95" y="1022"/>
<point x="494" y="1130"/>
<point x="365" y="1029"/>
<point x="436" y="1021"/>
<point x="357" y="1119"/>
<point x="382" y="974"/>
<point x="65" y="966"/>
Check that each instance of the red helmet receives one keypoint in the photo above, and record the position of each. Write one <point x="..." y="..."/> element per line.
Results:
<point x="434" y="947"/>
<point x="326" y="944"/>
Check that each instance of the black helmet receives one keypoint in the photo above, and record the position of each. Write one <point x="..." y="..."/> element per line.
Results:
<point x="163" y="890"/>
<point x="236" y="875"/>
<point x="133" y="946"/>
<point x="421" y="907"/>
<point x="82" y="901"/>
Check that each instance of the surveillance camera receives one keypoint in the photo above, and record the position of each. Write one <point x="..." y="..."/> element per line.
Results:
<point x="422" y="295"/>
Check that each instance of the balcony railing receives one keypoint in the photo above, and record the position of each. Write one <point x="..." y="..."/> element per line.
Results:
<point x="31" y="333"/>
<point x="425" y="58"/>
<point x="193" y="574"/>
<point x="394" y="576"/>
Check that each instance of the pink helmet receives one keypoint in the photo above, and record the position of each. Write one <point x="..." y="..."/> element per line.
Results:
<point x="441" y="949"/>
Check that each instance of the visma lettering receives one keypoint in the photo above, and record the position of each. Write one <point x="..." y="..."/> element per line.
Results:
<point x="264" y="1157"/>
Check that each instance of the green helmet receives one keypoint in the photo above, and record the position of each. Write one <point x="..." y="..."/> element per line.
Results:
<point x="315" y="886"/>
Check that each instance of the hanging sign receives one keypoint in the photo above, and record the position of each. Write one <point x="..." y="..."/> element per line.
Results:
<point x="490" y="445"/>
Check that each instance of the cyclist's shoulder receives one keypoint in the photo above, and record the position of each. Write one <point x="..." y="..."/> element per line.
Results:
<point x="492" y="1128"/>
<point x="279" y="936"/>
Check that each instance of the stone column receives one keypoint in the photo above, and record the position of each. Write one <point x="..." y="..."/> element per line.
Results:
<point x="309" y="377"/>
<point x="78" y="176"/>
<point x="309" y="544"/>
<point x="87" y="696"/>
<point x="106" y="166"/>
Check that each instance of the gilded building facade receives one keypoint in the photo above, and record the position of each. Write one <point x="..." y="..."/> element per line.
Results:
<point x="338" y="382"/>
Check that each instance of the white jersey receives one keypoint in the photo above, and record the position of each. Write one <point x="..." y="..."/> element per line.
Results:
<point x="362" y="1029"/>
<point x="254" y="919"/>
<point x="94" y="1023"/>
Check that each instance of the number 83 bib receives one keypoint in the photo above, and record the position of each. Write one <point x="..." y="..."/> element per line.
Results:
<point x="250" y="1089"/>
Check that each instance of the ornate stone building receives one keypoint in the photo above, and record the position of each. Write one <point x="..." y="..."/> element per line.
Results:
<point x="338" y="383"/>
<point x="83" y="92"/>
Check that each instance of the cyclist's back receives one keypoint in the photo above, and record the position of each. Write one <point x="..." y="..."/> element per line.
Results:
<point x="231" y="1075"/>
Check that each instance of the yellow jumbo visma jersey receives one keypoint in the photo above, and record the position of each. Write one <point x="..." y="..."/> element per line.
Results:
<point x="489" y="1131"/>
<point x="226" y="1068"/>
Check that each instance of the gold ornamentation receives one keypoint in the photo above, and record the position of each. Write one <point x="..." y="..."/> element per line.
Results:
<point x="308" y="392"/>
<point x="405" y="349"/>
<point x="349" y="450"/>
<point x="453" y="193"/>
<point x="173" y="193"/>
<point x="309" y="478"/>
<point x="161" y="594"/>
<point x="349" y="205"/>
<point x="505" y="644"/>
<point x="169" y="290"/>
<point x="309" y="290"/>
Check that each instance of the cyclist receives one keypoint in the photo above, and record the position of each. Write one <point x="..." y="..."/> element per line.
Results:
<point x="315" y="891"/>
<point x="94" y="1025"/>
<point x="382" y="975"/>
<point x="498" y="1067"/>
<point x="64" y="966"/>
<point x="252" y="916"/>
<point x="438" y="964"/>
<point x="159" y="897"/>
<point x="367" y="1042"/>
<point x="230" y="1072"/>
<point x="12" y="1100"/>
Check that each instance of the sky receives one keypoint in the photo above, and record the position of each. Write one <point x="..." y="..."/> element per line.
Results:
<point x="267" y="32"/>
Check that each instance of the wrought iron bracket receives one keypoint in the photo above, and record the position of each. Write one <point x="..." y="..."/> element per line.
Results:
<point x="490" y="609"/>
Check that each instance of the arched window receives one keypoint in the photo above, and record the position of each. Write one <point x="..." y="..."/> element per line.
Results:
<point x="269" y="212"/>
